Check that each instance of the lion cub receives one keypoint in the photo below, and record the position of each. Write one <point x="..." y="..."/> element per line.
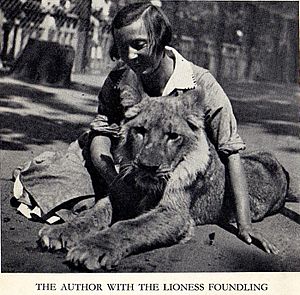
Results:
<point x="171" y="178"/>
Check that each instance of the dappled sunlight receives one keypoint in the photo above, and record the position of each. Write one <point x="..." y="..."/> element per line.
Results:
<point x="21" y="131"/>
<point x="35" y="114"/>
<point x="255" y="90"/>
<point x="273" y="107"/>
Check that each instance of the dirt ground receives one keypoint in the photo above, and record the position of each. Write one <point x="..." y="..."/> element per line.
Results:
<point x="39" y="118"/>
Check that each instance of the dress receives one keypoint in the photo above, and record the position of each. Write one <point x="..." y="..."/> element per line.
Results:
<point x="123" y="89"/>
<point x="45" y="185"/>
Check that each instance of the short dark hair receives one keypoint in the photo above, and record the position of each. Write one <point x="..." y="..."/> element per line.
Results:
<point x="156" y="22"/>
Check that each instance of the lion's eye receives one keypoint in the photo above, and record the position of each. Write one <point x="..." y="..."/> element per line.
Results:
<point x="173" y="135"/>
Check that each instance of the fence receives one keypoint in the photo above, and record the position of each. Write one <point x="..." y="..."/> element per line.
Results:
<point x="16" y="34"/>
<point x="98" y="51"/>
<point x="205" y="54"/>
<point x="53" y="27"/>
<point x="271" y="55"/>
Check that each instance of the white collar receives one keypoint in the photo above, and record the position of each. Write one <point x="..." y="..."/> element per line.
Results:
<point x="182" y="77"/>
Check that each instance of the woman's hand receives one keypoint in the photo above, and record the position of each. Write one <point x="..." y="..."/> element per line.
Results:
<point x="250" y="235"/>
<point x="100" y="124"/>
<point x="241" y="197"/>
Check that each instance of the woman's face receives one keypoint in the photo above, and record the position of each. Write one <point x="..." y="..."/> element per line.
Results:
<point x="134" y="49"/>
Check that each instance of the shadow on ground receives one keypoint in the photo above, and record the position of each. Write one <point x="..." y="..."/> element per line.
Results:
<point x="265" y="109"/>
<point x="276" y="108"/>
<point x="37" y="130"/>
<point x="21" y="127"/>
<point x="252" y="103"/>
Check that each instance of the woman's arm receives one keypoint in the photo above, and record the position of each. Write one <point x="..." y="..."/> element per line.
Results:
<point x="241" y="197"/>
<point x="100" y="148"/>
<point x="240" y="191"/>
<point x="102" y="158"/>
<point x="221" y="127"/>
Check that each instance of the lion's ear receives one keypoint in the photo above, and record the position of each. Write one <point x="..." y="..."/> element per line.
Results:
<point x="132" y="111"/>
<point x="195" y="122"/>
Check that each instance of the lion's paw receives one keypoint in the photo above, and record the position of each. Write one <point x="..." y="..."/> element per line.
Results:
<point x="93" y="255"/>
<point x="57" y="237"/>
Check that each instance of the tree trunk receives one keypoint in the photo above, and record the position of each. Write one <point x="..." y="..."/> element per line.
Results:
<point x="219" y="37"/>
<point x="248" y="40"/>
<point x="83" y="35"/>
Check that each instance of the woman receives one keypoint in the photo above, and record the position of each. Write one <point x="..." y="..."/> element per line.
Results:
<point x="148" y="67"/>
<point x="141" y="34"/>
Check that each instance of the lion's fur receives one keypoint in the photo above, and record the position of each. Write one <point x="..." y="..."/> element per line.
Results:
<point x="200" y="175"/>
<point x="168" y="183"/>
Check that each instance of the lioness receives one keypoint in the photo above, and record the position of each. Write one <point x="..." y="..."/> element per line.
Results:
<point x="171" y="178"/>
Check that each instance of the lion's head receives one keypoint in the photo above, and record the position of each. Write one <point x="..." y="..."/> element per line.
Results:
<point x="162" y="141"/>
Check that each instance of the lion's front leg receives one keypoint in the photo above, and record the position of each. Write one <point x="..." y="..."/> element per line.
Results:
<point x="159" y="227"/>
<point x="101" y="249"/>
<point x="67" y="235"/>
